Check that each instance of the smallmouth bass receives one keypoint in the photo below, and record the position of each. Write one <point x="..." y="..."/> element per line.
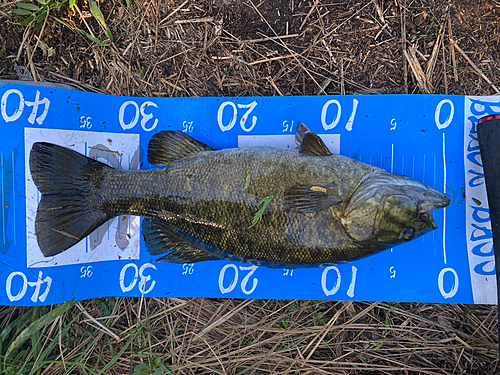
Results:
<point x="258" y="205"/>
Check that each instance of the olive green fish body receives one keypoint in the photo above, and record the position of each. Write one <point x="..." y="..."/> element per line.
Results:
<point x="205" y="196"/>
<point x="258" y="205"/>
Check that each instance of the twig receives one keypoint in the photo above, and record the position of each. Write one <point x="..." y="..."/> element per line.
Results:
<point x="403" y="40"/>
<point x="342" y="82"/>
<point x="83" y="84"/>
<point x="380" y="31"/>
<point x="174" y="11"/>
<point x="25" y="36"/>
<point x="452" y="48"/>
<point x="273" y="59"/>
<point x="247" y="82"/>
<point x="474" y="66"/>
<point x="225" y="317"/>
<point x="267" y="38"/>
<point x="30" y="63"/>
<point x="285" y="46"/>
<point x="321" y="335"/>
<point x="345" y="21"/>
<point x="60" y="344"/>
<point x="163" y="80"/>
<point x="30" y="58"/>
<point x="160" y="61"/>
<point x="83" y="19"/>
<point x="197" y="20"/>
<point x="416" y="68"/>
<point x="100" y="327"/>
<point x="274" y="86"/>
<point x="444" y="67"/>
<point x="380" y="12"/>
<point x="309" y="14"/>
<point x="156" y="27"/>
<point x="432" y="61"/>
<point x="324" y="85"/>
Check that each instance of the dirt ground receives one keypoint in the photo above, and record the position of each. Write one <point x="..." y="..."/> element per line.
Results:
<point x="266" y="47"/>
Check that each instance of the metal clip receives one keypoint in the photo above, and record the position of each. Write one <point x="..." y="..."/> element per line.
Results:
<point x="23" y="73"/>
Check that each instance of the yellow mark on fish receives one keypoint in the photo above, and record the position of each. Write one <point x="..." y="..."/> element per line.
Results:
<point x="318" y="188"/>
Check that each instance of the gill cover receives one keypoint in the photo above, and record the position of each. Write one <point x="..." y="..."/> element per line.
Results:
<point x="389" y="208"/>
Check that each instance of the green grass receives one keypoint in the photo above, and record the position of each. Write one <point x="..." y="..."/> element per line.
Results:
<point x="20" y="357"/>
<point x="39" y="11"/>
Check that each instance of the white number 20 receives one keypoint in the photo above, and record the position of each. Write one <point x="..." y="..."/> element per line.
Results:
<point x="243" y="119"/>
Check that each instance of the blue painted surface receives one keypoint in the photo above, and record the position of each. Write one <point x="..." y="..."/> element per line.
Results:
<point x="400" y="133"/>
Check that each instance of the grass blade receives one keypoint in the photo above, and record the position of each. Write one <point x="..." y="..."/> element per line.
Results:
<point x="99" y="16"/>
<point x="19" y="323"/>
<point x="97" y="13"/>
<point x="27" y="6"/>
<point x="21" y="12"/>
<point x="34" y="327"/>
<point x="263" y="205"/>
<point x="27" y="20"/>
<point x="42" y="358"/>
<point x="92" y="38"/>
<point x="119" y="354"/>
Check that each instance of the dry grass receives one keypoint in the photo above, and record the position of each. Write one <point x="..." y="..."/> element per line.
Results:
<point x="270" y="47"/>
<point x="193" y="336"/>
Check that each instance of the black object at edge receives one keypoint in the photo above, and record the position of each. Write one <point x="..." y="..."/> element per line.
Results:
<point x="488" y="132"/>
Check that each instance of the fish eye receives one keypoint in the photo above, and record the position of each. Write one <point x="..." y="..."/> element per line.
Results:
<point x="408" y="234"/>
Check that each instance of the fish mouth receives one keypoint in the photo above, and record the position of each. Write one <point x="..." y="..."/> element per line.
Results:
<point x="426" y="218"/>
<point x="429" y="206"/>
<point x="438" y="200"/>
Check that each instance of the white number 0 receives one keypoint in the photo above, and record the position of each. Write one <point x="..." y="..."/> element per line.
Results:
<point x="438" y="112"/>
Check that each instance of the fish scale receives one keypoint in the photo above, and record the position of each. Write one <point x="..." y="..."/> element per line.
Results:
<point x="209" y="204"/>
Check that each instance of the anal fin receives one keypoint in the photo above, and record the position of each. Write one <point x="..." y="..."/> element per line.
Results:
<point x="162" y="238"/>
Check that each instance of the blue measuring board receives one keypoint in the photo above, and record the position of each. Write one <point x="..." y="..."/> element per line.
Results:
<point x="430" y="138"/>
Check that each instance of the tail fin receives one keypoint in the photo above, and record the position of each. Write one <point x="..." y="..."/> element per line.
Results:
<point x="69" y="183"/>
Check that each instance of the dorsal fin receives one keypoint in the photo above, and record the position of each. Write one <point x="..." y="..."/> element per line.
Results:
<point x="310" y="143"/>
<point x="167" y="146"/>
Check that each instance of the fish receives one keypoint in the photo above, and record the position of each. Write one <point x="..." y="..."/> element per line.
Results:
<point x="259" y="205"/>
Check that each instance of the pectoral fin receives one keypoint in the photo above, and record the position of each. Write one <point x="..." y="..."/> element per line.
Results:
<point x="163" y="238"/>
<point x="167" y="146"/>
<point x="309" y="199"/>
